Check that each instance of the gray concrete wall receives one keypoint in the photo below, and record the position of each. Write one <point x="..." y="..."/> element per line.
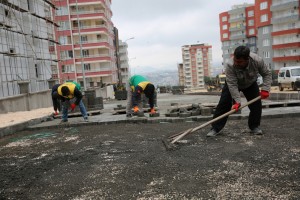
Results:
<point x="26" y="102"/>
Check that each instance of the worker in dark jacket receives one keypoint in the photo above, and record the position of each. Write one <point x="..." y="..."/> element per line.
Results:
<point x="67" y="92"/>
<point x="136" y="86"/>
<point x="56" y="100"/>
<point x="241" y="75"/>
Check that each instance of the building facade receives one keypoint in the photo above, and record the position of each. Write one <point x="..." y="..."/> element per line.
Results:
<point x="237" y="27"/>
<point x="86" y="51"/>
<point x="180" y="74"/>
<point x="124" y="64"/>
<point x="286" y="33"/>
<point x="27" y="39"/>
<point x="270" y="28"/>
<point x="197" y="62"/>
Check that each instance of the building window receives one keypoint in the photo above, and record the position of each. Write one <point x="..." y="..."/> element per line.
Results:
<point x="63" y="40"/>
<point x="64" y="25"/>
<point x="225" y="27"/>
<point x="251" y="31"/>
<point x="225" y="35"/>
<point x="7" y="13"/>
<point x="84" y="39"/>
<point x="251" y="22"/>
<point x="87" y="67"/>
<point x="252" y="40"/>
<point x="264" y="18"/>
<point x="62" y="11"/>
<point x="266" y="54"/>
<point x="67" y="68"/>
<point x="263" y="5"/>
<point x="224" y="19"/>
<point x="265" y="30"/>
<point x="85" y="53"/>
<point x="266" y="42"/>
<point x="250" y="13"/>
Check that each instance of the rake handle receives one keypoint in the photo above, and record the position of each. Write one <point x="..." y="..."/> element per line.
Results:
<point x="213" y="120"/>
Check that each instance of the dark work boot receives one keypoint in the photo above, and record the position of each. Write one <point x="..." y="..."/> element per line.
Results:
<point x="212" y="133"/>
<point x="256" y="131"/>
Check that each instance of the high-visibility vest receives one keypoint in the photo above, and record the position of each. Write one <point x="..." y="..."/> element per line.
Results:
<point x="71" y="87"/>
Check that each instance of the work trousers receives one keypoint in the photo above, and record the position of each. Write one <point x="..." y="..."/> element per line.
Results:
<point x="66" y="106"/>
<point x="130" y="100"/>
<point x="226" y="102"/>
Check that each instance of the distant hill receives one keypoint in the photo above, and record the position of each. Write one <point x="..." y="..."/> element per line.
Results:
<point x="163" y="78"/>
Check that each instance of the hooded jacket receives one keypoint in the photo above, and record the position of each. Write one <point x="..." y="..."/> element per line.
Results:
<point x="239" y="79"/>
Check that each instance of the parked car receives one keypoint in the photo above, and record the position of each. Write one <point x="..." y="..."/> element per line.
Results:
<point x="289" y="77"/>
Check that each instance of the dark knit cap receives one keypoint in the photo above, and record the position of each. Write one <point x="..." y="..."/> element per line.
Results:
<point x="65" y="91"/>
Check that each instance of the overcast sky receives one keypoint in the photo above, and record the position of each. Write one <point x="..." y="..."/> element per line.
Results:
<point x="161" y="27"/>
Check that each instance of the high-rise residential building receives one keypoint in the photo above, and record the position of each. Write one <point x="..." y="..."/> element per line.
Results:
<point x="237" y="27"/>
<point x="86" y="36"/>
<point x="27" y="53"/>
<point x="124" y="65"/>
<point x="264" y="29"/>
<point x="286" y="33"/>
<point x="197" y="62"/>
<point x="180" y="74"/>
<point x="269" y="28"/>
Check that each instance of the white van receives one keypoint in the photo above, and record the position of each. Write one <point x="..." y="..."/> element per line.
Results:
<point x="289" y="77"/>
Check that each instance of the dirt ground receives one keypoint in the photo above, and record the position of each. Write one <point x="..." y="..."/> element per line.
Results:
<point x="129" y="161"/>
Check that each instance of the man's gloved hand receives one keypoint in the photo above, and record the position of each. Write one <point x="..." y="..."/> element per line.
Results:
<point x="264" y="94"/>
<point x="236" y="106"/>
<point x="152" y="111"/>
<point x="73" y="105"/>
<point x="136" y="109"/>
<point x="55" y="113"/>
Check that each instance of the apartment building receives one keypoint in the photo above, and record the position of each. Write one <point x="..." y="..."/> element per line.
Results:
<point x="197" y="62"/>
<point x="286" y="33"/>
<point x="86" y="36"/>
<point x="180" y="74"/>
<point x="269" y="28"/>
<point x="237" y="27"/>
<point x="124" y="65"/>
<point x="27" y="56"/>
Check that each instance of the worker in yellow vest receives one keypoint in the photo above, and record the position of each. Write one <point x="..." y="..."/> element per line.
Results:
<point x="68" y="91"/>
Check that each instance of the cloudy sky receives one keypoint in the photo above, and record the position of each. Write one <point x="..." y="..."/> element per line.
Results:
<point x="161" y="27"/>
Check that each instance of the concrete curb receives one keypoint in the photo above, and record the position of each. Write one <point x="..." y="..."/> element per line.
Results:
<point x="9" y="130"/>
<point x="162" y="120"/>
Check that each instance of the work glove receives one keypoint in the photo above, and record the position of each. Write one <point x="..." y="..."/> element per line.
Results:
<point x="55" y="113"/>
<point x="264" y="94"/>
<point x="152" y="111"/>
<point x="136" y="109"/>
<point x="236" y="106"/>
<point x="73" y="105"/>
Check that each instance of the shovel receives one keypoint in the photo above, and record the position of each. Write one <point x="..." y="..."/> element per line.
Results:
<point x="169" y="143"/>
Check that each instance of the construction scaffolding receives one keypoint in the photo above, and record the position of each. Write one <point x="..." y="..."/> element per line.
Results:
<point x="27" y="45"/>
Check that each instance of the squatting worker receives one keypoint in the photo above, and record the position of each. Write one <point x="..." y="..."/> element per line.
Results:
<point x="241" y="74"/>
<point x="135" y="87"/>
<point x="68" y="91"/>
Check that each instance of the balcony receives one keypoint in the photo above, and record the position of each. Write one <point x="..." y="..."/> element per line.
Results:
<point x="285" y="4"/>
<point x="93" y="58"/>
<point x="237" y="19"/>
<point x="90" y="29"/>
<point x="237" y="11"/>
<point x="92" y="44"/>
<point x="85" y="2"/>
<point x="237" y="37"/>
<point x="281" y="58"/>
<point x="286" y="45"/>
<point x="88" y="14"/>
<point x="237" y="28"/>
<point x="286" y="18"/>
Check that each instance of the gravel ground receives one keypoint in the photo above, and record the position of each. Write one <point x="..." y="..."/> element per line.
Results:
<point x="129" y="161"/>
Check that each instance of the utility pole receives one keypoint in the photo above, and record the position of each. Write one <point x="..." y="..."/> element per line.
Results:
<point x="80" y="44"/>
